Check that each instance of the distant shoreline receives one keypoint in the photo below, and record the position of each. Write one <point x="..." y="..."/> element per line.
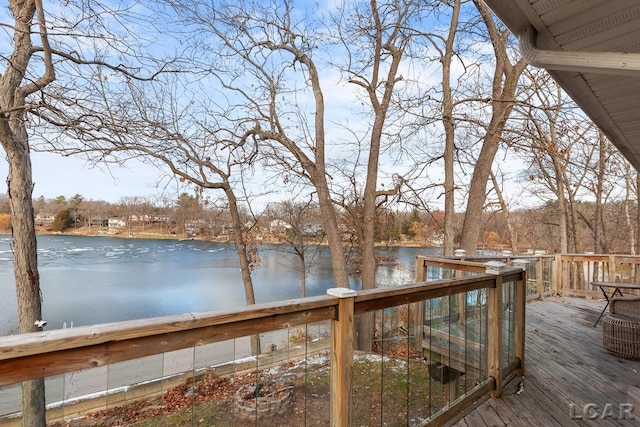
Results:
<point x="168" y="236"/>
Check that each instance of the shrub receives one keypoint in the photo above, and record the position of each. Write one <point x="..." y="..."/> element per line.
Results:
<point x="5" y="221"/>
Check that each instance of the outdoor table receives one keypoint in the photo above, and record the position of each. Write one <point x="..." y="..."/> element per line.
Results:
<point x="616" y="289"/>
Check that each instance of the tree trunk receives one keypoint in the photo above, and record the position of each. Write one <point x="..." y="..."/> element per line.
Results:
<point x="25" y="261"/>
<point x="628" y="219"/>
<point x="15" y="141"/>
<point x="334" y="239"/>
<point x="505" y="81"/>
<point x="26" y="274"/>
<point x="472" y="225"/>
<point x="303" y="272"/>
<point x="599" y="191"/>
<point x="507" y="216"/>
<point x="449" y="132"/>
<point x="564" y="220"/>
<point x="627" y="211"/>
<point x="245" y="267"/>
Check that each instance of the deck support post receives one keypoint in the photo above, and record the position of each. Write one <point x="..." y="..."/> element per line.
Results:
<point x="341" y="377"/>
<point x="494" y="335"/>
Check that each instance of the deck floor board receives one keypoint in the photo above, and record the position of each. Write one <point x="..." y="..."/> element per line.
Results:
<point x="566" y="368"/>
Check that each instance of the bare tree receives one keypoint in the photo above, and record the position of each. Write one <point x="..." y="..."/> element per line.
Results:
<point x="502" y="101"/>
<point x="446" y="48"/>
<point x="502" y="201"/>
<point x="299" y="236"/>
<point x="630" y="194"/>
<point x="555" y="140"/>
<point x="267" y="50"/>
<point x="271" y="64"/>
<point x="32" y="92"/>
<point x="21" y="78"/>
<point x="386" y="31"/>
<point x="191" y="146"/>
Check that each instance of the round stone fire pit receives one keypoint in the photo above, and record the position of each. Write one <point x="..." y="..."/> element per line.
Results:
<point x="263" y="399"/>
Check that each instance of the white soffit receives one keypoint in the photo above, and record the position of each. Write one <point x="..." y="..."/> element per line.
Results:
<point x="592" y="49"/>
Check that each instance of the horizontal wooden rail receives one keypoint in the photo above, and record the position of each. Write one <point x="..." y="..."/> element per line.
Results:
<point x="42" y="354"/>
<point x="453" y="264"/>
<point x="376" y="299"/>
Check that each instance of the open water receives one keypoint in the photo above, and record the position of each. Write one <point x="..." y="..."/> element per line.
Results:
<point x="90" y="280"/>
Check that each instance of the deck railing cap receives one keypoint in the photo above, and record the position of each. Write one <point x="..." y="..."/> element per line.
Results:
<point x="341" y="292"/>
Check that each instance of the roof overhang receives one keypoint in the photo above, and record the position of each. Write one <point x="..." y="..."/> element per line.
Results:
<point x="592" y="49"/>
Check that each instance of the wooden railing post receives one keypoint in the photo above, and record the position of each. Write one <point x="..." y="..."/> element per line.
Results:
<point x="341" y="386"/>
<point x="557" y="275"/>
<point x="612" y="268"/>
<point x="494" y="335"/>
<point x="540" y="277"/>
<point x="519" y="321"/>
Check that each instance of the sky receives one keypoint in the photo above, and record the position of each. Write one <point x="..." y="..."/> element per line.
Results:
<point x="55" y="175"/>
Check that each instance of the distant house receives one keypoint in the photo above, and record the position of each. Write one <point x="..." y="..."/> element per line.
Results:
<point x="98" y="221"/>
<point x="44" y="219"/>
<point x="278" y="227"/>
<point x="195" y="226"/>
<point x="116" y="222"/>
<point x="150" y="219"/>
<point x="312" y="230"/>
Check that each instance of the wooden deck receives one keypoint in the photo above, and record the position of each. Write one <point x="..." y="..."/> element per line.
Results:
<point x="570" y="379"/>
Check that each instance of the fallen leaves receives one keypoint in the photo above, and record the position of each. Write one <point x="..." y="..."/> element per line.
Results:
<point x="208" y="389"/>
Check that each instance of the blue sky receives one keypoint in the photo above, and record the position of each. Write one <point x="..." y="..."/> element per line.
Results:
<point x="55" y="175"/>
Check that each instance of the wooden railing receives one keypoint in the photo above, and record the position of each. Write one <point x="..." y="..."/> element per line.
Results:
<point x="563" y="274"/>
<point x="496" y="300"/>
<point x="576" y="272"/>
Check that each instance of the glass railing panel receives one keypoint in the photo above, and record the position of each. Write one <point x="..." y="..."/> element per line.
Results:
<point x="533" y="280"/>
<point x="9" y="401"/>
<point x="436" y="273"/>
<point x="216" y="368"/>
<point x="76" y="394"/>
<point x="367" y="370"/>
<point x="286" y="384"/>
<point x="454" y="346"/>
<point x="436" y="349"/>
<point x="391" y="384"/>
<point x="508" y="322"/>
<point x="419" y="382"/>
<point x="267" y="396"/>
<point x="474" y="364"/>
<point x="440" y="273"/>
<point x="164" y="389"/>
<point x="135" y="389"/>
<point x="392" y="344"/>
<point x="181" y="386"/>
<point x="310" y="375"/>
<point x="204" y="385"/>
<point x="547" y="275"/>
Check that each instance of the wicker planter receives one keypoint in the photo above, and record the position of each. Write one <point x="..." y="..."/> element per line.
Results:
<point x="621" y="336"/>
